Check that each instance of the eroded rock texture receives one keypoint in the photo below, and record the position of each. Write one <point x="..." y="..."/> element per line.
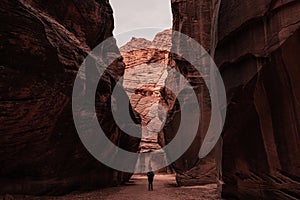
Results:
<point x="145" y="74"/>
<point x="255" y="45"/>
<point x="43" y="43"/>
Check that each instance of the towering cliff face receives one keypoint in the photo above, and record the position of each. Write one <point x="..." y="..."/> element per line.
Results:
<point x="255" y="46"/>
<point x="43" y="44"/>
<point x="193" y="19"/>
<point x="144" y="78"/>
<point x="257" y="55"/>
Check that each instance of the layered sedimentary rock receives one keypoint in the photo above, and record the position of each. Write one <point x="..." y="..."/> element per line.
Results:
<point x="145" y="74"/>
<point x="43" y="44"/>
<point x="255" y="46"/>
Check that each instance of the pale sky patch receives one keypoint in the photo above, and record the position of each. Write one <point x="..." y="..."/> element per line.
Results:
<point x="135" y="14"/>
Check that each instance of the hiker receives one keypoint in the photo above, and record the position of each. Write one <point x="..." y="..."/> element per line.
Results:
<point x="150" y="175"/>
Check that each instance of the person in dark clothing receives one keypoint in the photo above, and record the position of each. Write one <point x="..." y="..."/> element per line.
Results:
<point x="150" y="175"/>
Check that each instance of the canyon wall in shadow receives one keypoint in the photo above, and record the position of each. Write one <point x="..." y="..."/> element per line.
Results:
<point x="191" y="18"/>
<point x="43" y="43"/>
<point x="256" y="52"/>
<point x="255" y="45"/>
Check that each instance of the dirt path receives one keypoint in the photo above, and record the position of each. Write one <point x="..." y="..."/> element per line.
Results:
<point x="164" y="189"/>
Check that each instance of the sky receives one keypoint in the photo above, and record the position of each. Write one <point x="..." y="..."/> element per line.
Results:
<point x="136" y="14"/>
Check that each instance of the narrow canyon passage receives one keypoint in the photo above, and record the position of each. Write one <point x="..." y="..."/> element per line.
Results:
<point x="144" y="79"/>
<point x="48" y="73"/>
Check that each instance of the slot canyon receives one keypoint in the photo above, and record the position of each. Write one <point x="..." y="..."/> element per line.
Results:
<point x="254" y="45"/>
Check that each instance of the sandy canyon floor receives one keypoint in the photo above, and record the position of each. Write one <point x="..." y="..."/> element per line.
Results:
<point x="164" y="188"/>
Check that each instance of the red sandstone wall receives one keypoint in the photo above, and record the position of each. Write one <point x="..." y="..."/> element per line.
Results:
<point x="255" y="45"/>
<point x="42" y="45"/>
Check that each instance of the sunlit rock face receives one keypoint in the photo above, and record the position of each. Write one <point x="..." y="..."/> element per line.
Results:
<point x="43" y="44"/>
<point x="255" y="46"/>
<point x="145" y="74"/>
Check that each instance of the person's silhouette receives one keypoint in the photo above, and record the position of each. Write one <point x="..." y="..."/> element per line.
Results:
<point x="150" y="175"/>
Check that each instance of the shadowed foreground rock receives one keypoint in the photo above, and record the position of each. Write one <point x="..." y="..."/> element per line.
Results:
<point x="42" y="46"/>
<point x="255" y="45"/>
<point x="257" y="53"/>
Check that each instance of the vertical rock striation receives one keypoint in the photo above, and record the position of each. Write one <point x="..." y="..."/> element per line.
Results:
<point x="43" y="44"/>
<point x="256" y="53"/>
<point x="255" y="46"/>
<point x="193" y="19"/>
